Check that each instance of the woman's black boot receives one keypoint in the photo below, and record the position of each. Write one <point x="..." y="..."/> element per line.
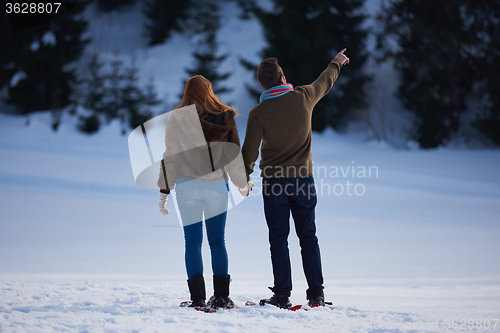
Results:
<point x="197" y="289"/>
<point x="221" y="299"/>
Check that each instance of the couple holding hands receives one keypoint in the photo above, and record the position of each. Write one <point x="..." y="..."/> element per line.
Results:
<point x="282" y="123"/>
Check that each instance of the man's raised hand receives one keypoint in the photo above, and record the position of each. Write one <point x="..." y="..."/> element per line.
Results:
<point x="342" y="57"/>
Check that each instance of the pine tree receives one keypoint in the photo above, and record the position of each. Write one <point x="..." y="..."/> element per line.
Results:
<point x="485" y="15"/>
<point x="206" y="60"/>
<point x="116" y="94"/>
<point x="133" y="104"/>
<point x="94" y="98"/>
<point x="165" y="16"/>
<point x="304" y="36"/>
<point x="150" y="99"/>
<point x="439" y="58"/>
<point x="96" y="89"/>
<point x="89" y="124"/>
<point x="37" y="69"/>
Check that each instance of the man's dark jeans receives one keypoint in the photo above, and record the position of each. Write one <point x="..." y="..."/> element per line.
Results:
<point x="296" y="195"/>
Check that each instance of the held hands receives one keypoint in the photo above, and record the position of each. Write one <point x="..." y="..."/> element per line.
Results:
<point x="245" y="191"/>
<point x="162" y="204"/>
<point x="342" y="57"/>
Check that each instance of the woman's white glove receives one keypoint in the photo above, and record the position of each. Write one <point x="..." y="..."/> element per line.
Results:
<point x="162" y="205"/>
<point x="245" y="191"/>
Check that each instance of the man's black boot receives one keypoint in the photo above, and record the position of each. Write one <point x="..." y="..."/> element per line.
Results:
<point x="316" y="301"/>
<point x="280" y="300"/>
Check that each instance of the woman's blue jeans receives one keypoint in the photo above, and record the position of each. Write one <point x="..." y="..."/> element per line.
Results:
<point x="193" y="205"/>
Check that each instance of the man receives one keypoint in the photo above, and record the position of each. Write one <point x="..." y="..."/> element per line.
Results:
<point x="282" y="121"/>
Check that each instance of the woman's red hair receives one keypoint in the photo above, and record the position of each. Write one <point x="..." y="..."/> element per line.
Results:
<point x="199" y="91"/>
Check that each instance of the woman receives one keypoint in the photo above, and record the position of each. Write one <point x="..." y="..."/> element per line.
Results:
<point x="200" y="179"/>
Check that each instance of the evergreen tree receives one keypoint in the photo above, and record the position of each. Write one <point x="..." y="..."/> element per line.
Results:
<point x="165" y="16"/>
<point x="115" y="83"/>
<point x="116" y="95"/>
<point x="36" y="62"/>
<point x="94" y="98"/>
<point x="134" y="103"/>
<point x="485" y="23"/>
<point x="96" y="89"/>
<point x="442" y="51"/>
<point x="149" y="101"/>
<point x="206" y="60"/>
<point x="89" y="124"/>
<point x="304" y="36"/>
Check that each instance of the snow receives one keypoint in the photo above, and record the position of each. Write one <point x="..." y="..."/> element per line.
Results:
<point x="150" y="306"/>
<point x="35" y="46"/>
<point x="49" y="38"/>
<point x="21" y="75"/>
<point x="82" y="248"/>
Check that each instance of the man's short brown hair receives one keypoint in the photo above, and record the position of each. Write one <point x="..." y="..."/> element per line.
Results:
<point x="269" y="73"/>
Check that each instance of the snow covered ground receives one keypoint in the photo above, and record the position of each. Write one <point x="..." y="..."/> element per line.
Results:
<point x="410" y="247"/>
<point x="82" y="248"/>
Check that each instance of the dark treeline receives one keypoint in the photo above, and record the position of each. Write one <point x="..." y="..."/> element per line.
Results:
<point x="34" y="63"/>
<point x="447" y="53"/>
<point x="447" y="57"/>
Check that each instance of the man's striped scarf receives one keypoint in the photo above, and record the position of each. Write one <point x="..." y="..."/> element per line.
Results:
<point x="276" y="91"/>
